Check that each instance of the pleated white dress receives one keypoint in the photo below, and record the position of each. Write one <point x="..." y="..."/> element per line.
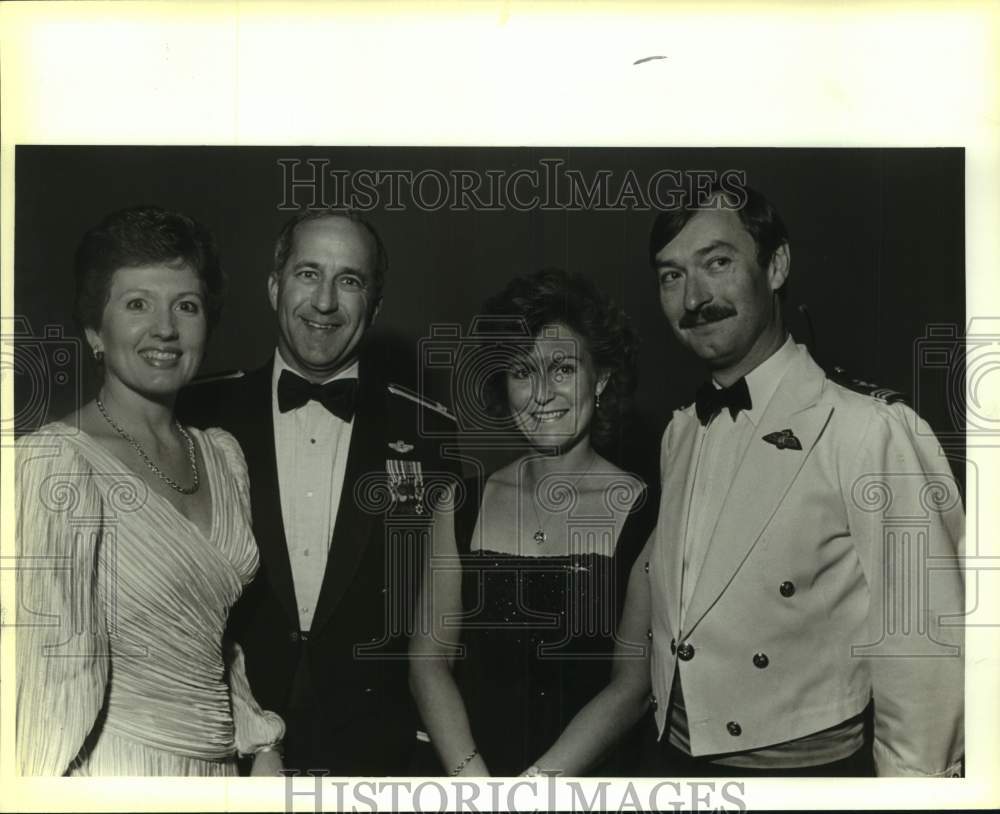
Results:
<point x="122" y="668"/>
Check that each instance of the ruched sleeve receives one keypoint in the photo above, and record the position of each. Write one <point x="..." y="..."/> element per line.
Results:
<point x="61" y="628"/>
<point x="254" y="727"/>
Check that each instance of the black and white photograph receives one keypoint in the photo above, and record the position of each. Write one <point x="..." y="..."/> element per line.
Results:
<point x="639" y="471"/>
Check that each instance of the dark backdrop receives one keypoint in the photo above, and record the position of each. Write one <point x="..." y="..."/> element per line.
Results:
<point x="877" y="238"/>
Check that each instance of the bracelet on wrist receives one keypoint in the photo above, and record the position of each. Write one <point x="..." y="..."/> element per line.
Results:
<point x="277" y="746"/>
<point x="463" y="763"/>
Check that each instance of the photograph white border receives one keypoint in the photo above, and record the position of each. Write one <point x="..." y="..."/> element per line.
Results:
<point x="748" y="74"/>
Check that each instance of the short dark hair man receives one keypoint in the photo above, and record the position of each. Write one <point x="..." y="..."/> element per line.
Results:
<point x="323" y="625"/>
<point x="773" y="573"/>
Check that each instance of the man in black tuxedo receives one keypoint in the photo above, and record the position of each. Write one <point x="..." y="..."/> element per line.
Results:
<point x="342" y="467"/>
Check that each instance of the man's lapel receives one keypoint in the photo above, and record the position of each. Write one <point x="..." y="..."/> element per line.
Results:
<point x="763" y="478"/>
<point x="352" y="533"/>
<point x="256" y="437"/>
<point x="677" y="486"/>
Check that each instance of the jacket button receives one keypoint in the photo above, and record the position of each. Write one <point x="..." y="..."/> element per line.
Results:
<point x="294" y="635"/>
<point x="685" y="652"/>
<point x="653" y="703"/>
<point x="649" y="633"/>
<point x="734" y="729"/>
<point x="787" y="588"/>
<point x="673" y="646"/>
<point x="645" y="567"/>
<point x="760" y="660"/>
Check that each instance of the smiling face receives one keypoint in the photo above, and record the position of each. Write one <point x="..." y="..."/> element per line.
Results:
<point x="323" y="296"/>
<point x="719" y="301"/>
<point x="152" y="330"/>
<point x="551" y="388"/>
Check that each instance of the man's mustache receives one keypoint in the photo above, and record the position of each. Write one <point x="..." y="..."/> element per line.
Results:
<point x="705" y="315"/>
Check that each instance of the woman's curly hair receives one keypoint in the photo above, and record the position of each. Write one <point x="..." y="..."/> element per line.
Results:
<point x="553" y="296"/>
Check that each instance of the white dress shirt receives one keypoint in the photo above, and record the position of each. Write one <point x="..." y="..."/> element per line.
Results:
<point x="311" y="445"/>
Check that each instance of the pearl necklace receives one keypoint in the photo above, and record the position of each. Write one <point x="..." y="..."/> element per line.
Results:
<point x="540" y="536"/>
<point x="184" y="490"/>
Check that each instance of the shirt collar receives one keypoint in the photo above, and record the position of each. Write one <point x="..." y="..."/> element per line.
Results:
<point x="349" y="372"/>
<point x="764" y="379"/>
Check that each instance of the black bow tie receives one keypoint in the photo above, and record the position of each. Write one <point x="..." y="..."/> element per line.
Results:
<point x="710" y="400"/>
<point x="337" y="396"/>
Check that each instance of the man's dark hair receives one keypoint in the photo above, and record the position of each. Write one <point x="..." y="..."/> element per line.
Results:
<point x="144" y="236"/>
<point x="517" y="314"/>
<point x="286" y="238"/>
<point x="757" y="214"/>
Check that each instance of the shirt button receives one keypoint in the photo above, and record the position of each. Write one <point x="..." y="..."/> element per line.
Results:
<point x="685" y="651"/>
<point x="761" y="660"/>
<point x="734" y="729"/>
<point x="309" y="494"/>
<point x="787" y="588"/>
<point x="649" y="633"/>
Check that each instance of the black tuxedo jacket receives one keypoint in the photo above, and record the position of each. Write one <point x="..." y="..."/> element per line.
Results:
<point x="342" y="688"/>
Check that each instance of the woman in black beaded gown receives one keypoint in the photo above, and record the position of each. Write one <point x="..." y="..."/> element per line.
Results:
<point x="527" y="579"/>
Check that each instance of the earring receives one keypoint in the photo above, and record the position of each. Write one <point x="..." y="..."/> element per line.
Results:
<point x="597" y="399"/>
<point x="99" y="357"/>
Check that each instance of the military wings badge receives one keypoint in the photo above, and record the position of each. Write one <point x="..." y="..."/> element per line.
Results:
<point x="785" y="439"/>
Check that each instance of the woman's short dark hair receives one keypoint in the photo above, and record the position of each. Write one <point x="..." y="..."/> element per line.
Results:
<point x="144" y="236"/>
<point x="552" y="296"/>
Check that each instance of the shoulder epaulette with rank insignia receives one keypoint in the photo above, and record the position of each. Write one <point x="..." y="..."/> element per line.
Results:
<point x="884" y="394"/>
<point x="220" y="377"/>
<point x="416" y="398"/>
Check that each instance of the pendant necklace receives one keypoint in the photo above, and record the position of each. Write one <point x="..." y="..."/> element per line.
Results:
<point x="540" y="535"/>
<point x="184" y="490"/>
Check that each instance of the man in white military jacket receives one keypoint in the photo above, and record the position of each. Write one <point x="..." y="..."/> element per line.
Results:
<point x="787" y="592"/>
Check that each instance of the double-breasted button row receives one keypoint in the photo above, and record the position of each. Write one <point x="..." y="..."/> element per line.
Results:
<point x="685" y="652"/>
<point x="787" y="588"/>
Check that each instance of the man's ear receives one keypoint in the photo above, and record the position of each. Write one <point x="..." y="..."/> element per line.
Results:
<point x="375" y="311"/>
<point x="778" y="268"/>
<point x="273" y="284"/>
